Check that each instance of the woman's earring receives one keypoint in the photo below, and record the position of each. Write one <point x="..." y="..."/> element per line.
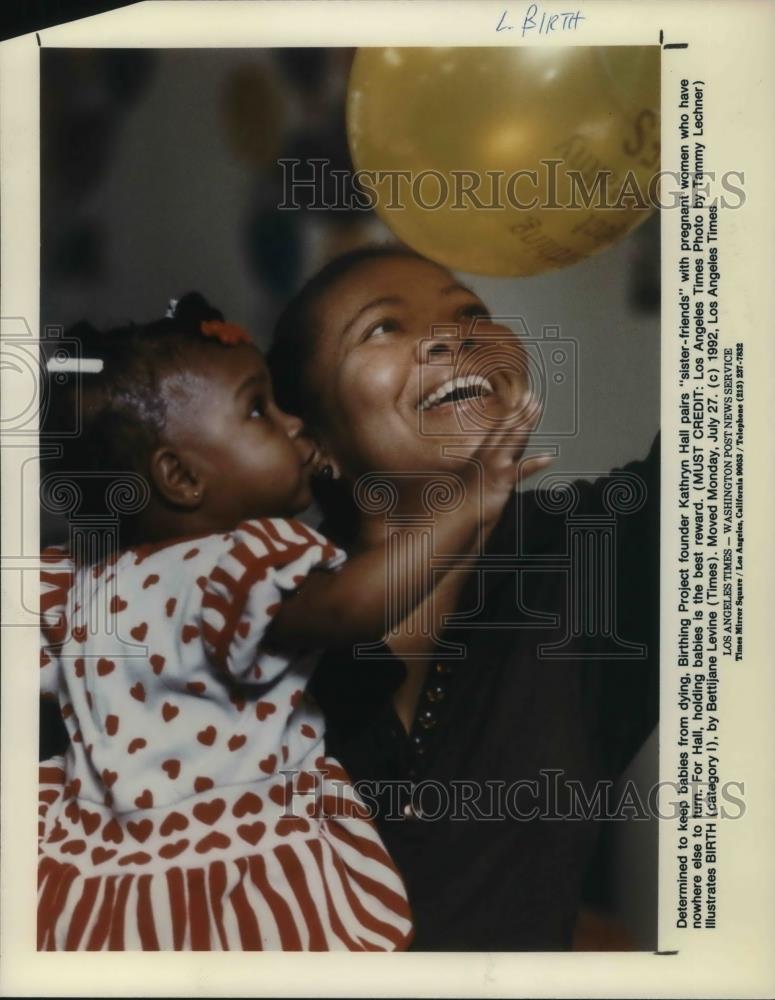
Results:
<point x="326" y="472"/>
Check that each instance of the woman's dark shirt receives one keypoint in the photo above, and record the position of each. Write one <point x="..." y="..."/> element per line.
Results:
<point x="481" y="878"/>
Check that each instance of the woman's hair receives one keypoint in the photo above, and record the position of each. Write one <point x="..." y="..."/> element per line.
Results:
<point x="106" y="424"/>
<point x="293" y="344"/>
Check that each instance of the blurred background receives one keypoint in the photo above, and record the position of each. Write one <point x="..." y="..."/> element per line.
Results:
<point x="159" y="175"/>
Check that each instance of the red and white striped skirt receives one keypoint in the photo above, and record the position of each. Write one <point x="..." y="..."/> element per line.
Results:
<point x="337" y="890"/>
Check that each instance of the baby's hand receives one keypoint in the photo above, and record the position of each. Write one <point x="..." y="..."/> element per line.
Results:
<point x="498" y="464"/>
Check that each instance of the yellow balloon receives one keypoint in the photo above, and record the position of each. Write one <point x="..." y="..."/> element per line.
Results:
<point x="557" y="148"/>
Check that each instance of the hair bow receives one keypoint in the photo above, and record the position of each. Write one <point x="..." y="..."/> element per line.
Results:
<point x="227" y="333"/>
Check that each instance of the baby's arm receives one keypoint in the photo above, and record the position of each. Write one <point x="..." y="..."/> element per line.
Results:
<point x="352" y="604"/>
<point x="56" y="579"/>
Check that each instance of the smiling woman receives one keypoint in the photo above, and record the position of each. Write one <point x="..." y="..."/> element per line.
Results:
<point x="380" y="330"/>
<point x="526" y="678"/>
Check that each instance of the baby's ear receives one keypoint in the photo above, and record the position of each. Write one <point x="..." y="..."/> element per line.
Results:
<point x="175" y="479"/>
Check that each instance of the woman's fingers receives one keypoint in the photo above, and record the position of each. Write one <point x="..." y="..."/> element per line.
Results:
<point x="532" y="412"/>
<point x="530" y="466"/>
<point x="514" y="430"/>
<point x="517" y="469"/>
<point x="521" y="420"/>
<point x="499" y="452"/>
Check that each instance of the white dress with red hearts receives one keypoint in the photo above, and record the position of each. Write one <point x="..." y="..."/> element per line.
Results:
<point x="195" y="808"/>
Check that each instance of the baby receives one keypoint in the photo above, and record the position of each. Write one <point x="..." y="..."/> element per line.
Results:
<point x="195" y="807"/>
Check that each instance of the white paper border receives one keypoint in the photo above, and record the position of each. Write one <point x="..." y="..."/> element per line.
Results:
<point x="729" y="43"/>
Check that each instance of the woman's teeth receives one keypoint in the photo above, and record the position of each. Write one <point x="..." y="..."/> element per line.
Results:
<point x="461" y="387"/>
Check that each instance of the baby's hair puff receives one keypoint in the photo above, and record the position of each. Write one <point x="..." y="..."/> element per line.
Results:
<point x="113" y="394"/>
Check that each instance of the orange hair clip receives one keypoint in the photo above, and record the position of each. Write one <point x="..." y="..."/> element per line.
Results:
<point x="227" y="333"/>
